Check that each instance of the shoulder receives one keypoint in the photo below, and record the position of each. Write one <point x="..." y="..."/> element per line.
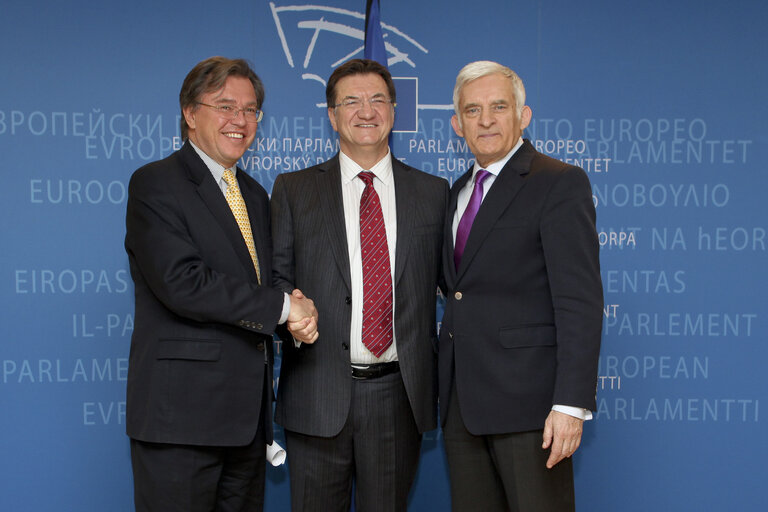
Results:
<point x="549" y="168"/>
<point x="303" y="175"/>
<point x="158" y="172"/>
<point x="419" y="177"/>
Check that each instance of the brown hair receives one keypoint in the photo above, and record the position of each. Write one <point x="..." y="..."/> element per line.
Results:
<point x="210" y="75"/>
<point x="357" y="67"/>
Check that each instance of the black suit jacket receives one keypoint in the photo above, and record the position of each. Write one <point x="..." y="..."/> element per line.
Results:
<point x="310" y="253"/>
<point x="523" y="317"/>
<point x="201" y="345"/>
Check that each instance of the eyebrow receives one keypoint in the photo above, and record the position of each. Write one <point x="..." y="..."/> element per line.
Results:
<point x="494" y="102"/>
<point x="377" y="95"/>
<point x="231" y="101"/>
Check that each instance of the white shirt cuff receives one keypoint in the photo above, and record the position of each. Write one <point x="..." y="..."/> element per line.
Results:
<point x="286" y="309"/>
<point x="577" y="412"/>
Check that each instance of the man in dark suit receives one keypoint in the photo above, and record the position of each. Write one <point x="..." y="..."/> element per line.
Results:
<point x="362" y="235"/>
<point x="520" y="337"/>
<point x="198" y="243"/>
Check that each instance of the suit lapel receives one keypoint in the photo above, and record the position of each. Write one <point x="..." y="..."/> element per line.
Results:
<point x="404" y="201"/>
<point x="503" y="191"/>
<point x="448" y="243"/>
<point x="211" y="195"/>
<point x="328" y="183"/>
<point x="253" y="197"/>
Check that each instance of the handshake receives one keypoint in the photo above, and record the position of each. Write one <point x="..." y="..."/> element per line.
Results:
<point x="302" y="320"/>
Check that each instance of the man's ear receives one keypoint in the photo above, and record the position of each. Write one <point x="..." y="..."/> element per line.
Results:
<point x="332" y="118"/>
<point x="189" y="116"/>
<point x="457" y="125"/>
<point x="525" y="117"/>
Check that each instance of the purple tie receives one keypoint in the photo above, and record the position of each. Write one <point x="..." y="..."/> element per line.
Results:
<point x="465" y="224"/>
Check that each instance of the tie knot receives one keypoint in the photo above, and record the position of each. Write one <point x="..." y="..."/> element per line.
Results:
<point x="229" y="177"/>
<point x="481" y="175"/>
<point x="367" y="177"/>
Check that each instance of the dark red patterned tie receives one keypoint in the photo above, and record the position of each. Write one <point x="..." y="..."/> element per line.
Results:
<point x="377" y="276"/>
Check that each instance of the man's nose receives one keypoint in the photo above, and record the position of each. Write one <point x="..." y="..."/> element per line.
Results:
<point x="486" y="117"/>
<point x="239" y="119"/>
<point x="366" y="110"/>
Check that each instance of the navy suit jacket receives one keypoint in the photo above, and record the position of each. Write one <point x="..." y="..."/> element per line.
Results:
<point x="523" y="317"/>
<point x="201" y="349"/>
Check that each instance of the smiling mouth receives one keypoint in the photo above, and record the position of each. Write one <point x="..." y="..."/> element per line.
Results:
<point x="234" y="135"/>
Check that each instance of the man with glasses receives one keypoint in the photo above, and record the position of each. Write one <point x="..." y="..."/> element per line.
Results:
<point x="200" y="372"/>
<point x="361" y="234"/>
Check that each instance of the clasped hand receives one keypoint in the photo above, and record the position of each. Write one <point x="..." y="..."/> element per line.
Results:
<point x="302" y="320"/>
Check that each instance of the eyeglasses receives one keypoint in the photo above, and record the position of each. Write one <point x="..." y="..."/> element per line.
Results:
<point x="496" y="108"/>
<point x="251" y="114"/>
<point x="354" y="104"/>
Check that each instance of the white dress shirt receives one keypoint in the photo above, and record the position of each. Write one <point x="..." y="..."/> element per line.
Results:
<point x="352" y="190"/>
<point x="462" y="200"/>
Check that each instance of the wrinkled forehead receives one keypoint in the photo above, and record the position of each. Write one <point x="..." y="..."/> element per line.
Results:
<point x="488" y="89"/>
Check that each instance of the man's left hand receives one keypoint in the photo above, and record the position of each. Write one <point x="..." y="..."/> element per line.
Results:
<point x="562" y="433"/>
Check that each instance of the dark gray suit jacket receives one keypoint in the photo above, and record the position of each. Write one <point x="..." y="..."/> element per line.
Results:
<point x="203" y="326"/>
<point x="310" y="253"/>
<point x="523" y="317"/>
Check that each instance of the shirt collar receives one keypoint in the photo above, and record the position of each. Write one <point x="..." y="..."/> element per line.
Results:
<point x="217" y="170"/>
<point x="382" y="169"/>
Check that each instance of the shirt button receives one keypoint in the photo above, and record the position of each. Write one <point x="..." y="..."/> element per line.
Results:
<point x="457" y="295"/>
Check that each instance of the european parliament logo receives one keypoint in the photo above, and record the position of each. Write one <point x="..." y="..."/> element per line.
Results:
<point x="310" y="34"/>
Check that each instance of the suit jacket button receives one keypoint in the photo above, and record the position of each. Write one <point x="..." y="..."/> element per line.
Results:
<point x="348" y="300"/>
<point x="457" y="295"/>
<point x="345" y="346"/>
<point x="260" y="346"/>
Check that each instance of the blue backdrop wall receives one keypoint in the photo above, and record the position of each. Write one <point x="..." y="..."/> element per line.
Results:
<point x="661" y="102"/>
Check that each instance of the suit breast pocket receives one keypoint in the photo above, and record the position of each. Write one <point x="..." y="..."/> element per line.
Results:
<point x="526" y="336"/>
<point x="189" y="349"/>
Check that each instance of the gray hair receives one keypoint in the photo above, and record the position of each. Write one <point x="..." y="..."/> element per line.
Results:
<point x="481" y="68"/>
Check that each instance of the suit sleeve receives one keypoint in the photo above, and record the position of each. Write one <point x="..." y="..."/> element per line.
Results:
<point x="447" y="222"/>
<point x="165" y="245"/>
<point x="283" y="262"/>
<point x="571" y="253"/>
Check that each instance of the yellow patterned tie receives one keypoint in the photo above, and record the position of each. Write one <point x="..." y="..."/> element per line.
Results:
<point x="236" y="203"/>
